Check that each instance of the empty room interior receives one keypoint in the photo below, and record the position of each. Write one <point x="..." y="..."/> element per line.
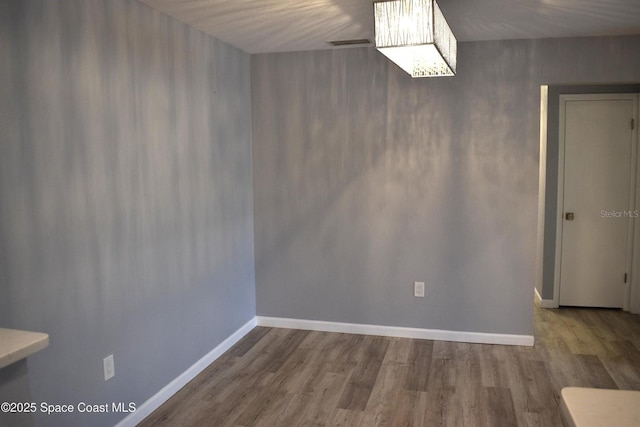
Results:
<point x="285" y="213"/>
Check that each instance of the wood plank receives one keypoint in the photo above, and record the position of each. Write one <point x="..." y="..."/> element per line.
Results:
<point x="540" y="397"/>
<point x="397" y="351"/>
<point x="442" y="407"/>
<point x="442" y="375"/>
<point x="288" y="346"/>
<point x="594" y="373"/>
<point x="251" y="339"/>
<point x="492" y="366"/>
<point x="324" y="401"/>
<point x="500" y="407"/>
<point x="356" y="394"/>
<point x="262" y="409"/>
<point x="622" y="361"/>
<point x="345" y="418"/>
<point x="406" y="412"/>
<point x="419" y="365"/>
<point x="382" y="401"/>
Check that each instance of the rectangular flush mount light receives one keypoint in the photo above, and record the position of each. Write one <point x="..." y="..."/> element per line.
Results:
<point x="415" y="35"/>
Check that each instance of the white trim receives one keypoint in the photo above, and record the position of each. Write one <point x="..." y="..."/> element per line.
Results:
<point x="634" y="279"/>
<point x="559" y="201"/>
<point x="544" y="303"/>
<point x="396" y="331"/>
<point x="634" y="203"/>
<point x="170" y="389"/>
<point x="542" y="186"/>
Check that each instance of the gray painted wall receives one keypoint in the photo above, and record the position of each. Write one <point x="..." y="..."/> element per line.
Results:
<point x="551" y="195"/>
<point x="366" y="180"/>
<point x="126" y="212"/>
<point x="14" y="387"/>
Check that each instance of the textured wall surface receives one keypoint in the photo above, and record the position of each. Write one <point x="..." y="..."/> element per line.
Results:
<point x="366" y="180"/>
<point x="126" y="213"/>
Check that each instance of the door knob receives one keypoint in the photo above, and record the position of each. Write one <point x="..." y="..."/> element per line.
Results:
<point x="568" y="216"/>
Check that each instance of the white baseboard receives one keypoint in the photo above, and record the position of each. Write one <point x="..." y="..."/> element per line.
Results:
<point x="544" y="303"/>
<point x="395" y="331"/>
<point x="170" y="389"/>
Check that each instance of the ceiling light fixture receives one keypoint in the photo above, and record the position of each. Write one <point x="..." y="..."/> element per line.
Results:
<point x="415" y="35"/>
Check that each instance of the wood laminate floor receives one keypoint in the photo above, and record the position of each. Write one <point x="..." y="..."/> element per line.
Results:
<point x="283" y="377"/>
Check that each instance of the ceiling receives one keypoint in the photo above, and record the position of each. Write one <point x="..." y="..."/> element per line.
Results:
<point x="258" y="26"/>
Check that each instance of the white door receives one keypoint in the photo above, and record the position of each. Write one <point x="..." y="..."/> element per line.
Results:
<point x="597" y="209"/>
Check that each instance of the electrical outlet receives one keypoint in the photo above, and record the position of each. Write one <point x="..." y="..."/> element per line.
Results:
<point x="109" y="367"/>
<point x="418" y="289"/>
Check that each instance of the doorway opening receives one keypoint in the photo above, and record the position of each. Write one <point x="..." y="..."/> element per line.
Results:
<point x="588" y="231"/>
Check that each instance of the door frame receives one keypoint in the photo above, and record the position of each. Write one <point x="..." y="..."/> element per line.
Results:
<point x="633" y="243"/>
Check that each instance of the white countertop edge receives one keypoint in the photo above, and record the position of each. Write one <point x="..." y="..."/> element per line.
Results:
<point x="15" y="345"/>
<point x="591" y="407"/>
